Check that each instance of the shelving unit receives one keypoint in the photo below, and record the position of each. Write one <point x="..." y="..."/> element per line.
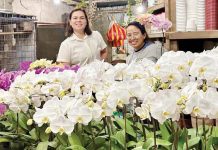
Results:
<point x="193" y="35"/>
<point x="13" y="33"/>
<point x="155" y="35"/>
<point x="156" y="8"/>
<point x="174" y="38"/>
<point x="17" y="40"/>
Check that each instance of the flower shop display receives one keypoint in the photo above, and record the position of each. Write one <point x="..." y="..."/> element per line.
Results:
<point x="100" y="106"/>
<point x="159" y="23"/>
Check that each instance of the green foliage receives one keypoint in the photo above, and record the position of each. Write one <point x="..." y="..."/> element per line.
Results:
<point x="74" y="139"/>
<point x="121" y="123"/>
<point x="81" y="4"/>
<point x="99" y="135"/>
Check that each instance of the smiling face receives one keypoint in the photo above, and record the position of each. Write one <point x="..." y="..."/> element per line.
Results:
<point x="135" y="37"/>
<point x="78" y="21"/>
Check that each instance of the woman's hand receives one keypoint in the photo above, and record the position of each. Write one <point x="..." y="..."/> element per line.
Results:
<point x="103" y="53"/>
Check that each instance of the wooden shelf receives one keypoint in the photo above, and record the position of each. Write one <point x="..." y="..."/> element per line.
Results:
<point x="11" y="33"/>
<point x="210" y="34"/>
<point x="155" y="35"/>
<point x="156" y="7"/>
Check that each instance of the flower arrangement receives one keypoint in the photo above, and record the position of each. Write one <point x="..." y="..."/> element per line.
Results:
<point x="158" y="21"/>
<point x="100" y="106"/>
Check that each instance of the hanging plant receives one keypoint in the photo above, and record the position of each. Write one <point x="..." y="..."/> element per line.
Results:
<point x="82" y="4"/>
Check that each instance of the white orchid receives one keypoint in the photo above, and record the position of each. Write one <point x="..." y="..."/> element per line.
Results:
<point x="164" y="106"/>
<point x="118" y="96"/>
<point x="65" y="78"/>
<point x="143" y="112"/>
<point x="62" y="125"/>
<point x="197" y="104"/>
<point x="204" y="66"/>
<point x="81" y="115"/>
<point x="51" y="89"/>
<point x="138" y="88"/>
<point x="51" y="110"/>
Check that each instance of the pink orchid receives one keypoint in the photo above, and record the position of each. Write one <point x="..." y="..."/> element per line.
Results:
<point x="6" y="78"/>
<point x="161" y="22"/>
<point x="3" y="109"/>
<point x="144" y="18"/>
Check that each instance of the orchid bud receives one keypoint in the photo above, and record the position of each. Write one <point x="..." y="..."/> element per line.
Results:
<point x="30" y="122"/>
<point x="48" y="130"/>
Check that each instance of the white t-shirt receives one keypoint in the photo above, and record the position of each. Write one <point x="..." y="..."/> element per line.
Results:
<point x="81" y="51"/>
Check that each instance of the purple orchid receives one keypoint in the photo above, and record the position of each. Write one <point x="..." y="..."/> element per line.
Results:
<point x="3" y="109"/>
<point x="6" y="78"/>
<point x="25" y="65"/>
<point x="57" y="68"/>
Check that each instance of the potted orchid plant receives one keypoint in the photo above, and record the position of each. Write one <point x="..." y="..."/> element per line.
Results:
<point x="100" y="106"/>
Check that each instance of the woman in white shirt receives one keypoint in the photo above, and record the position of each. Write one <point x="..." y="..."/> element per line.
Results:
<point x="143" y="48"/>
<point x="83" y="45"/>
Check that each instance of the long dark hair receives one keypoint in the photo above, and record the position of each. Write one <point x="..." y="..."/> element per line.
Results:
<point x="140" y="27"/>
<point x="87" y="29"/>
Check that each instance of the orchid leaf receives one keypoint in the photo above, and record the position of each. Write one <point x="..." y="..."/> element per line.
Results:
<point x="164" y="131"/>
<point x="215" y="132"/>
<point x="209" y="143"/>
<point x="193" y="142"/>
<point x="182" y="138"/>
<point x="131" y="144"/>
<point x="119" y="137"/>
<point x="75" y="147"/>
<point x="129" y="128"/>
<point x="99" y="142"/>
<point x="22" y="121"/>
<point x="62" y="139"/>
<point x="33" y="134"/>
<point x="42" y="135"/>
<point x="42" y="146"/>
<point x="150" y="143"/>
<point x="2" y="140"/>
<point x="74" y="139"/>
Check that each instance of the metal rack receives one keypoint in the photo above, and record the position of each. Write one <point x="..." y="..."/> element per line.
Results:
<point x="17" y="40"/>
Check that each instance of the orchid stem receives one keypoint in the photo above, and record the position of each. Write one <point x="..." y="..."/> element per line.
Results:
<point x="109" y="133"/>
<point x="154" y="130"/>
<point x="143" y="129"/>
<point x="196" y="118"/>
<point x="17" y="122"/>
<point x="93" y="138"/>
<point x="162" y="43"/>
<point x="205" y="137"/>
<point x="124" y="114"/>
<point x="111" y="125"/>
<point x="184" y="125"/>
<point x="137" y="118"/>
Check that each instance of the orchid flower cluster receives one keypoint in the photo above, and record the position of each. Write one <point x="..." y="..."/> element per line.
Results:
<point x="180" y="82"/>
<point x="187" y="83"/>
<point x="158" y="21"/>
<point x="6" y="78"/>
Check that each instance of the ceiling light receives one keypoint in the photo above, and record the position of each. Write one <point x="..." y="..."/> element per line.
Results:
<point x="57" y="1"/>
<point x="140" y="9"/>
